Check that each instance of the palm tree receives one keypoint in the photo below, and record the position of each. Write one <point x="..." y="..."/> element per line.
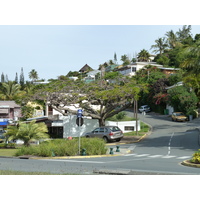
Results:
<point x="33" y="75"/>
<point x="10" y="90"/>
<point x="143" y="56"/>
<point x="184" y="33"/>
<point x="27" y="132"/>
<point x="125" y="60"/>
<point x="172" y="39"/>
<point x="160" y="45"/>
<point x="192" y="58"/>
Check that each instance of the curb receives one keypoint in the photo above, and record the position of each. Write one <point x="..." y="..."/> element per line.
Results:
<point x="189" y="164"/>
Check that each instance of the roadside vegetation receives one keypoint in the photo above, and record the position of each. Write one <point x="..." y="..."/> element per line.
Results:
<point x="62" y="147"/>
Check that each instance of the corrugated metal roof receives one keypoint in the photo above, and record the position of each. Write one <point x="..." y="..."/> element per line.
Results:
<point x="10" y="104"/>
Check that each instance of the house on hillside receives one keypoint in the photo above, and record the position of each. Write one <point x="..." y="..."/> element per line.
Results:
<point x="91" y="76"/>
<point x="168" y="71"/>
<point x="85" y="68"/>
<point x="130" y="70"/>
<point x="111" y="68"/>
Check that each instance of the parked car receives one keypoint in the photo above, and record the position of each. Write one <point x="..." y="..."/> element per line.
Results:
<point x="108" y="133"/>
<point x="144" y="108"/>
<point x="179" y="116"/>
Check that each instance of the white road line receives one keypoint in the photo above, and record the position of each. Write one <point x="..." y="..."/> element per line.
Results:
<point x="169" y="148"/>
<point x="184" y="157"/>
<point x="141" y="155"/>
<point x="130" y="154"/>
<point x="167" y="156"/>
<point x="155" y="156"/>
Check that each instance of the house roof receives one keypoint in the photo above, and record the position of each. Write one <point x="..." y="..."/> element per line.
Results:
<point x="9" y="104"/>
<point x="85" y="68"/>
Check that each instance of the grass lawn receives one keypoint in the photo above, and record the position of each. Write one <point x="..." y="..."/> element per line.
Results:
<point x="7" y="152"/>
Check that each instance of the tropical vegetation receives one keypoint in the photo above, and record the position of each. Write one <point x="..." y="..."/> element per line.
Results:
<point x="111" y="93"/>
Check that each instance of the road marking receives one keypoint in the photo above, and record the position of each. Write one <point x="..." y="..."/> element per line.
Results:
<point x="130" y="154"/>
<point x="155" y="156"/>
<point x="169" y="148"/>
<point x="141" y="155"/>
<point x="184" y="157"/>
<point x="167" y="156"/>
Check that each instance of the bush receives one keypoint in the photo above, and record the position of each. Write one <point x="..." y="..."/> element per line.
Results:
<point x="93" y="146"/>
<point x="9" y="145"/>
<point x="63" y="147"/>
<point x="196" y="157"/>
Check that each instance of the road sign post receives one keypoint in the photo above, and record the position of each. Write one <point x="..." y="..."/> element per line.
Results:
<point x="79" y="122"/>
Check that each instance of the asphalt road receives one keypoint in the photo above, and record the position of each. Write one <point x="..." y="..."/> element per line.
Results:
<point x="160" y="153"/>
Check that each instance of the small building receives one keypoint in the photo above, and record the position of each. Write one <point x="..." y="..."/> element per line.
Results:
<point x="130" y="70"/>
<point x="9" y="112"/>
<point x="85" y="68"/>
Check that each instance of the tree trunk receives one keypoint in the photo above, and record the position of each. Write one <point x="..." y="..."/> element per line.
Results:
<point x="101" y="122"/>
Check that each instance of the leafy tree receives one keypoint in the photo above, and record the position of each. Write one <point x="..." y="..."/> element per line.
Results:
<point x="27" y="112"/>
<point x="27" y="132"/>
<point x="182" y="99"/>
<point x="98" y="100"/>
<point x="163" y="59"/>
<point x="193" y="81"/>
<point x="125" y="60"/>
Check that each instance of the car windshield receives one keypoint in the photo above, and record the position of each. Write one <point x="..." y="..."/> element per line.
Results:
<point x="179" y="114"/>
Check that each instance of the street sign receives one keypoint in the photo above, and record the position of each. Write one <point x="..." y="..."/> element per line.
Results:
<point x="79" y="113"/>
<point x="79" y="121"/>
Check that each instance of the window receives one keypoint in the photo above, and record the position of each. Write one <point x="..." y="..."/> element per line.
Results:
<point x="134" y="69"/>
<point x="129" y="128"/>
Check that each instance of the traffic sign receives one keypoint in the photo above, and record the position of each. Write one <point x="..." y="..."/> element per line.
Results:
<point x="79" y="121"/>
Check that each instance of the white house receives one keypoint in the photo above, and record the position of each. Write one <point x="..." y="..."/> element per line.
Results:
<point x="130" y="70"/>
<point x="70" y="129"/>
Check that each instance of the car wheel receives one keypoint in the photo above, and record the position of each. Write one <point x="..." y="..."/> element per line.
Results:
<point x="105" y="139"/>
<point x="87" y="136"/>
<point x="117" y="140"/>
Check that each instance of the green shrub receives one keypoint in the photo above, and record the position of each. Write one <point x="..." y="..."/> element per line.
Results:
<point x="63" y="147"/>
<point x="196" y="157"/>
<point x="93" y="146"/>
<point x="9" y="145"/>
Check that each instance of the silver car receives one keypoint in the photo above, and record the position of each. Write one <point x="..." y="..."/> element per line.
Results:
<point x="108" y="133"/>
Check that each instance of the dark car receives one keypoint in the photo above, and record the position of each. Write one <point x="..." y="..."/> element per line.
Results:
<point x="108" y="133"/>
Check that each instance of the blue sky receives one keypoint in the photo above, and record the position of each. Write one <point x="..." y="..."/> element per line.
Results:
<point x="54" y="50"/>
<point x="55" y="37"/>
